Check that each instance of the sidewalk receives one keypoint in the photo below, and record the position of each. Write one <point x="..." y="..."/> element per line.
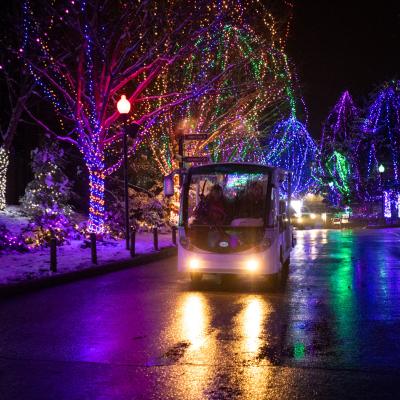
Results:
<point x="28" y="271"/>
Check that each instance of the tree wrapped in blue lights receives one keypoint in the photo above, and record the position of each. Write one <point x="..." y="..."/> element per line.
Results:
<point x="291" y="147"/>
<point x="288" y="144"/>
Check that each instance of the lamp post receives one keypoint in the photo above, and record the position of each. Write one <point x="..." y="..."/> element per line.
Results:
<point x="124" y="107"/>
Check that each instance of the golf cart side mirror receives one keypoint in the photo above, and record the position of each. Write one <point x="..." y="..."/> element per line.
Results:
<point x="168" y="185"/>
<point x="282" y="207"/>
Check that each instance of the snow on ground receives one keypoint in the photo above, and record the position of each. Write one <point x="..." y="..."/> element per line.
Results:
<point x="16" y="267"/>
<point x="13" y="219"/>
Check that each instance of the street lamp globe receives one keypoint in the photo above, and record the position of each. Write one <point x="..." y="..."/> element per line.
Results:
<point x="381" y="168"/>
<point x="123" y="105"/>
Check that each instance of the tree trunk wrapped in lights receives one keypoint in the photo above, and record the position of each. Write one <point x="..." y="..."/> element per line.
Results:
<point x="3" y="176"/>
<point x="96" y="200"/>
<point x="84" y="55"/>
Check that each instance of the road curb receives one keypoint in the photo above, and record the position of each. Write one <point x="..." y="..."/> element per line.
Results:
<point x="382" y="226"/>
<point x="9" y="290"/>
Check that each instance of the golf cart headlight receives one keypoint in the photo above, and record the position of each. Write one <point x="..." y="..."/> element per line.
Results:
<point x="194" y="263"/>
<point x="252" y="265"/>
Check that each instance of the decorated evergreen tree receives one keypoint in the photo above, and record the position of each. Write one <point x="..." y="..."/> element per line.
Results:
<point x="46" y="197"/>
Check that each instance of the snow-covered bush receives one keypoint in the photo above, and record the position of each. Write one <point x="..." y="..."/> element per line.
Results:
<point x="9" y="241"/>
<point x="148" y="210"/>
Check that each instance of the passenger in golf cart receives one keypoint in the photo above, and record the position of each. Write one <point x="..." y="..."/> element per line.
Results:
<point x="213" y="209"/>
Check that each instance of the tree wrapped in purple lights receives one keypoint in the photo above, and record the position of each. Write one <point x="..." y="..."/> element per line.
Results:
<point x="340" y="127"/>
<point x="337" y="171"/>
<point x="84" y="55"/>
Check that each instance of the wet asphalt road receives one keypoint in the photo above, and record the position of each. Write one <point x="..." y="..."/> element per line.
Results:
<point x="145" y="333"/>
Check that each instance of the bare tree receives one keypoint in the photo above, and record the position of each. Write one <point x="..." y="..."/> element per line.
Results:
<point x="17" y="87"/>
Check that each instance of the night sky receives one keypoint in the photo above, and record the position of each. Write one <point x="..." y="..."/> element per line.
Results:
<point x="338" y="45"/>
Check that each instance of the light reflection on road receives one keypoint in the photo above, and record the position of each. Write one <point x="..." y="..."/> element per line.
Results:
<point x="253" y="321"/>
<point x="147" y="333"/>
<point x="195" y="320"/>
<point x="252" y="318"/>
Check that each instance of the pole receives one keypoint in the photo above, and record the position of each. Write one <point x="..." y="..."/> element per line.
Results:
<point x="383" y="206"/>
<point x="155" y="238"/>
<point x="174" y="235"/>
<point x="126" y="189"/>
<point x="289" y="197"/>
<point x="53" y="254"/>
<point x="133" y="243"/>
<point x="93" y="247"/>
<point x="180" y="151"/>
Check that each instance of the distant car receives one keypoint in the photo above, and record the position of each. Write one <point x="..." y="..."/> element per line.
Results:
<point x="309" y="220"/>
<point x="336" y="221"/>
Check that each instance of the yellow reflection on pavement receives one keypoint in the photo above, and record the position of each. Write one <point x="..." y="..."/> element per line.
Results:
<point x="195" y="320"/>
<point x="194" y="325"/>
<point x="252" y="319"/>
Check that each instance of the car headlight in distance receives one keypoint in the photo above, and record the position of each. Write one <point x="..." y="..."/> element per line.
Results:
<point x="252" y="265"/>
<point x="313" y="216"/>
<point x="194" y="263"/>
